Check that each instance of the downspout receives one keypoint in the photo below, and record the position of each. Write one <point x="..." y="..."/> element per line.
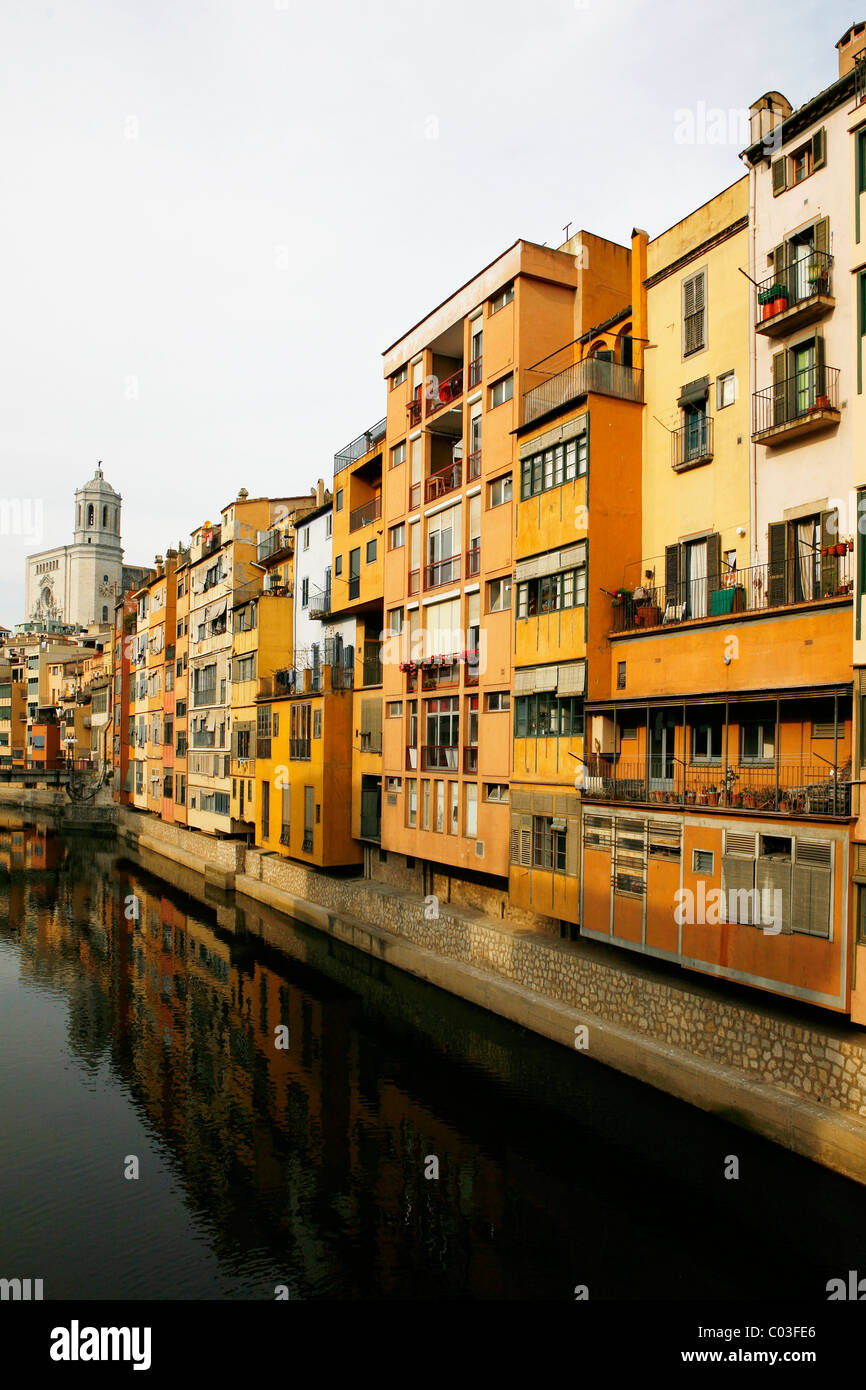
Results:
<point x="753" y="448"/>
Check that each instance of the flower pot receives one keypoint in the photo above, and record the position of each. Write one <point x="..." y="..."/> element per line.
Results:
<point x="822" y="402"/>
<point x="712" y="798"/>
<point x="840" y="549"/>
<point x="850" y="546"/>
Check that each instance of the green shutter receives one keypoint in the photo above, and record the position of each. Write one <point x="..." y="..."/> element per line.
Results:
<point x="672" y="574"/>
<point x="819" y="149"/>
<point x="780" y="176"/>
<point x="829" y="563"/>
<point x="779" y="389"/>
<point x="822" y="235"/>
<point x="714" y="562"/>
<point x="776" y="571"/>
<point x="820" y="374"/>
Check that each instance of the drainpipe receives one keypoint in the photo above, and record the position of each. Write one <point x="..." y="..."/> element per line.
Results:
<point x="835" y="753"/>
<point x="753" y="448"/>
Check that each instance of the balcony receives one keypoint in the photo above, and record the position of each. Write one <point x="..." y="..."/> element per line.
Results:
<point x="285" y="836"/>
<point x="794" y="406"/>
<point x="591" y="374"/>
<point x="473" y="466"/>
<point x="276" y="544"/>
<point x="449" y="391"/>
<point x="441" y="483"/>
<point x="442" y="572"/>
<point x="413" y="410"/>
<point x="435" y="673"/>
<point x="473" y="560"/>
<point x="364" y="516"/>
<point x="320" y="603"/>
<point x="364" y="444"/>
<point x="692" y="443"/>
<point x="794" y="789"/>
<point x="470" y="759"/>
<point x="473" y="373"/>
<point x="299" y="750"/>
<point x="414" y="581"/>
<point x="756" y="588"/>
<point x="798" y="295"/>
<point x="439" y="757"/>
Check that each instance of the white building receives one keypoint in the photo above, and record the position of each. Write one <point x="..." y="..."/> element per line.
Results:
<point x="315" y="636"/>
<point x="78" y="584"/>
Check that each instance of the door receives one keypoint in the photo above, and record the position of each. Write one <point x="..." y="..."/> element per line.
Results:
<point x="804" y="378"/>
<point x="241" y="799"/>
<point x="695" y="555"/>
<point x="661" y="751"/>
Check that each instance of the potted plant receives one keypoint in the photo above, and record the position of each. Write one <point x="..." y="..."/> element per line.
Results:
<point x="702" y="798"/>
<point x="766" y="300"/>
<point x="850" y="546"/>
<point x="749" y="797"/>
<point x="712" y="796"/>
<point x="840" y="548"/>
<point x="822" y="401"/>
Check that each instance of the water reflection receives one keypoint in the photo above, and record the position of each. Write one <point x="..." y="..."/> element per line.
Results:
<point x="135" y="1020"/>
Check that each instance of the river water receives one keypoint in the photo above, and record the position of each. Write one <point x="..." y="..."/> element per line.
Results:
<point x="157" y="1142"/>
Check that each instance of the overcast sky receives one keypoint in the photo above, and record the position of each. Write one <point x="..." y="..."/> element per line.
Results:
<point x="216" y="214"/>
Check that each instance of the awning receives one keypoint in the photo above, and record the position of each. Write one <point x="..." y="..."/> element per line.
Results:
<point x="695" y="391"/>
<point x="572" y="679"/>
<point x="218" y="609"/>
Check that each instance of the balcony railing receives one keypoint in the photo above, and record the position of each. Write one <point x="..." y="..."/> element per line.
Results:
<point x="439" y="757"/>
<point x="692" y="443"/>
<point x="414" y="411"/>
<point x="470" y="758"/>
<point x="414" y="496"/>
<point x="354" y="586"/>
<point x="320" y="603"/>
<point x="449" y="391"/>
<point x="796" y="404"/>
<point x="307" y="845"/>
<point x="473" y="466"/>
<point x="442" y="482"/>
<point x="791" y="788"/>
<point x="359" y="447"/>
<point x="810" y="578"/>
<point x="274" y="542"/>
<point x="363" y="516"/>
<point x="592" y="374"/>
<point x="805" y="286"/>
<point x="414" y="581"/>
<point x="473" y="560"/>
<point x="299" y="750"/>
<point x="442" y="572"/>
<point x="372" y="671"/>
<point x="473" y="372"/>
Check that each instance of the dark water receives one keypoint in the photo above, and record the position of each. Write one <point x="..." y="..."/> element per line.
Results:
<point x="153" y="1039"/>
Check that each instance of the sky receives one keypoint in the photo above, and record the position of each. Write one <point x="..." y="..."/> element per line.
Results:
<point x="215" y="215"/>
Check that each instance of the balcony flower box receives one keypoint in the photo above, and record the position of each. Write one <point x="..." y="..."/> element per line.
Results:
<point x="773" y="300"/>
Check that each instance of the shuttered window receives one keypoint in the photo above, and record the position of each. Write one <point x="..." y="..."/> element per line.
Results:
<point x="694" y="313"/>
<point x="371" y="726"/>
<point x="812" y="888"/>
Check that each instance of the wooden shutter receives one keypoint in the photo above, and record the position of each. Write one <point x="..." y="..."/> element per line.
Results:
<point x="777" y="569"/>
<point x="811" y="891"/>
<point x="822" y="235"/>
<point x="820" y="374"/>
<point x="780" y="414"/>
<point x="371" y="726"/>
<point x="572" y="847"/>
<point x="819" y="149"/>
<point x="526" y="841"/>
<point x="738" y="876"/>
<point x="672" y="574"/>
<point x="780" y="263"/>
<point x="774" y="876"/>
<point x="714" y="563"/>
<point x="829" y="563"/>
<point x="780" y="175"/>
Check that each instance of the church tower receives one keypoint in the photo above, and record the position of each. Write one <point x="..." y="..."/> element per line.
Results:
<point x="96" y="554"/>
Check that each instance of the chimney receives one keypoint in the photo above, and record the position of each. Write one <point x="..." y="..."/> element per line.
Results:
<point x="850" y="46"/>
<point x="243" y="495"/>
<point x="765" y="119"/>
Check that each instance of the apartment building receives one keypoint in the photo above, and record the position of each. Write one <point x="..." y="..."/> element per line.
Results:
<point x="181" y="687"/>
<point x="13" y="713"/>
<point x="455" y="385"/>
<point x="715" y="765"/>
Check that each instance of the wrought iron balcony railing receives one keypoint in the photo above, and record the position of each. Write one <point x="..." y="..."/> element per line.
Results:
<point x="692" y="443"/>
<point x="363" y="516"/>
<point x="807" y="396"/>
<point x="442" y="572"/>
<point x="792" y="788"/>
<point x="447" y="392"/>
<point x="591" y="374"/>
<point x="801" y="283"/>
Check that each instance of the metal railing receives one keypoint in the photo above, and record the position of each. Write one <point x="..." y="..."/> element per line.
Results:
<point x="414" y="581"/>
<point x="439" y="757"/>
<point x="414" y="496"/>
<point x="299" y="750"/>
<point x="354" y="586"/>
<point x="473" y="560"/>
<point x="307" y="845"/>
<point x="591" y="374"/>
<point x="359" y="447"/>
<point x="473" y="466"/>
<point x="792" y="788"/>
<point x="442" y="572"/>
<point x="809" y="579"/>
<point x="414" y="410"/>
<point x="473" y="372"/>
<point x="442" y="482"/>
<point x="372" y="671"/>
<point x="273" y="542"/>
<point x="448" y="391"/>
<point x="794" y="284"/>
<point x="692" y="442"/>
<point x="795" y="398"/>
<point x="363" y="516"/>
<point x="320" y="603"/>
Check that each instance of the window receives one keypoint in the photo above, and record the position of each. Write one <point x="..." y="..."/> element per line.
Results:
<point x="411" y="801"/>
<point x="329" y="525"/>
<point x="707" y="741"/>
<point x="399" y="377"/>
<point x="552" y="467"/>
<point x="620" y="675"/>
<point x="499" y="491"/>
<point x="317" y="723"/>
<point x="338" y="564"/>
<point x="470" y="825"/>
<point x="397" y="536"/>
<point x="244" y="668"/>
<point x="398" y="454"/>
<point x="726" y="390"/>
<point x="694" y="313"/>
<point x="395" y="621"/>
<point x="548" y="845"/>
<point x="552" y="592"/>
<point x="757" y="742"/>
<point x="546" y="715"/>
<point x="502" y="390"/>
<point x="703" y="861"/>
<point x="425" y="805"/>
<point x="299" y="732"/>
<point x="499" y="594"/>
<point x="495" y="791"/>
<point x="500" y="300"/>
<point x="393" y="785"/>
<point x="338" y="500"/>
<point x="498" y="700"/>
<point x="305" y="592"/>
<point x="305" y="534"/>
<point x="394" y="709"/>
<point x="371" y="552"/>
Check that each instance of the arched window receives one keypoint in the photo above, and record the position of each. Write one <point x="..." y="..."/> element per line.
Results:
<point x="624" y="346"/>
<point x="105" y="518"/>
<point x="90" y="515"/>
